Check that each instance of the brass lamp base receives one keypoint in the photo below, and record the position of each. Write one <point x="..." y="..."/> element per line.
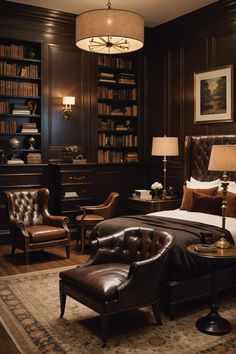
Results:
<point x="222" y="243"/>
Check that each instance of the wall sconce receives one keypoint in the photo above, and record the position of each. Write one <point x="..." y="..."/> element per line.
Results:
<point x="67" y="102"/>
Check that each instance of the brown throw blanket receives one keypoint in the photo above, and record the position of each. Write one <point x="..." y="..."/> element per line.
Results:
<point x="182" y="265"/>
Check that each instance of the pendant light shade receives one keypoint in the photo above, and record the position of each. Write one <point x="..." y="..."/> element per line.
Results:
<point x="109" y="31"/>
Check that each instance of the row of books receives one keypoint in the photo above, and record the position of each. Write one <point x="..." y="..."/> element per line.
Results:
<point x="16" y="70"/>
<point x="116" y="94"/>
<point x="109" y="156"/>
<point x="112" y="140"/>
<point x="15" y="88"/>
<point x="120" y="79"/>
<point x="116" y="156"/>
<point x="12" y="50"/>
<point x="8" y="126"/>
<point x="119" y="63"/>
<point x="4" y="107"/>
<point x="105" y="109"/>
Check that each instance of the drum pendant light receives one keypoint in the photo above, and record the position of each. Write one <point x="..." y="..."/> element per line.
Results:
<point x="109" y="31"/>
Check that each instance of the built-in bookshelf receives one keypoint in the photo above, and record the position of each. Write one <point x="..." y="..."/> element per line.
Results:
<point x="117" y="110"/>
<point x="20" y="100"/>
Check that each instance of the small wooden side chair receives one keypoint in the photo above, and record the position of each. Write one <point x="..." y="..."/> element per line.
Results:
<point x="93" y="214"/>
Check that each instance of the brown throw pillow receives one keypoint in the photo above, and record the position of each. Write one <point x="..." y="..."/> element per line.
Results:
<point x="231" y="204"/>
<point x="187" y="196"/>
<point x="206" y="204"/>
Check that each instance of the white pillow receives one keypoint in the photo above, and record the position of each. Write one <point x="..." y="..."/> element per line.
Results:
<point x="193" y="183"/>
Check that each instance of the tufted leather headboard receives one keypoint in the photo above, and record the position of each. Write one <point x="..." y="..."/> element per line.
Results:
<point x="197" y="154"/>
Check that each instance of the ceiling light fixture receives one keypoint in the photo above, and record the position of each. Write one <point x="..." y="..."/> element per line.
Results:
<point x="109" y="31"/>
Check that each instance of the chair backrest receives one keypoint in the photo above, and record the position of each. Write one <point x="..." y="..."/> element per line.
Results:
<point x="137" y="244"/>
<point x="109" y="206"/>
<point x="27" y="205"/>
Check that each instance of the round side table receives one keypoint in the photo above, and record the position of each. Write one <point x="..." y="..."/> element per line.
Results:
<point x="213" y="323"/>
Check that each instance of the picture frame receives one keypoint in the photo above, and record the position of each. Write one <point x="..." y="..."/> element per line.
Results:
<point x="213" y="96"/>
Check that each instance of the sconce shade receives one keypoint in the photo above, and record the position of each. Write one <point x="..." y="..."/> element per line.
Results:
<point x="165" y="146"/>
<point x="109" y="31"/>
<point x="68" y="100"/>
<point x="223" y="158"/>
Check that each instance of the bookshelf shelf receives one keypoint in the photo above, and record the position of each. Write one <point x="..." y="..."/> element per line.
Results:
<point x="20" y="98"/>
<point x="117" y="110"/>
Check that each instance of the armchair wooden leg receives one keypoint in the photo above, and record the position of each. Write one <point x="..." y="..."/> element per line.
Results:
<point x="68" y="251"/>
<point x="62" y="303"/>
<point x="105" y="329"/>
<point x="156" y="312"/>
<point x="82" y="235"/>
<point x="27" y="258"/>
<point x="13" y="249"/>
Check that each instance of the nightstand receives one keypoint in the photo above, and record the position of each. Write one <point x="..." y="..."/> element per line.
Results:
<point x="144" y="206"/>
<point x="213" y="323"/>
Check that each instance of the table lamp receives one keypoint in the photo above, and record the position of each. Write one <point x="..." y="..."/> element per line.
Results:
<point x="165" y="146"/>
<point x="223" y="158"/>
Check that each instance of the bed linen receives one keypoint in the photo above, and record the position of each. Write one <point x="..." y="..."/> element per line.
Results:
<point x="186" y="230"/>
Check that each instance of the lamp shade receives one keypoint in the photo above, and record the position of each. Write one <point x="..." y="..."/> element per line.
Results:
<point x="223" y="158"/>
<point x="68" y="100"/>
<point x="165" y="146"/>
<point x="109" y="31"/>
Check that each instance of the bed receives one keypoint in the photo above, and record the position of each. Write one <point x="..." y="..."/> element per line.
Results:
<point x="188" y="277"/>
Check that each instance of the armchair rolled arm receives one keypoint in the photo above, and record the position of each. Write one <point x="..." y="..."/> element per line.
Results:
<point x="91" y="207"/>
<point x="55" y="220"/>
<point x="102" y="249"/>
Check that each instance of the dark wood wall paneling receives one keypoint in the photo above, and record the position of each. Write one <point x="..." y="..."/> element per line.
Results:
<point x="196" y="42"/>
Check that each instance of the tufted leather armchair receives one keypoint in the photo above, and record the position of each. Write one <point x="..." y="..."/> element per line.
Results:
<point x="31" y="225"/>
<point x="126" y="270"/>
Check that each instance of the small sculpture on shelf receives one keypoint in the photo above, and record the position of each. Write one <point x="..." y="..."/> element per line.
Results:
<point x="31" y="142"/>
<point x="72" y="154"/>
<point x="14" y="147"/>
<point x="32" y="106"/>
<point x="31" y="53"/>
<point x="3" y="158"/>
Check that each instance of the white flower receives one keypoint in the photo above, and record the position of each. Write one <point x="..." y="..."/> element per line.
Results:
<point x="156" y="185"/>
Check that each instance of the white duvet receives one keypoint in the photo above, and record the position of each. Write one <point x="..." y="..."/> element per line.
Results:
<point x="209" y="219"/>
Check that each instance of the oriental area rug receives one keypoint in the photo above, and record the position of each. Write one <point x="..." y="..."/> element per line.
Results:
<point x="30" y="309"/>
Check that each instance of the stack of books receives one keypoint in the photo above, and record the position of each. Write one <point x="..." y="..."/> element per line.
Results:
<point x="131" y="157"/>
<point x="126" y="78"/>
<point x="29" y="128"/>
<point x="15" y="161"/>
<point x="20" y="109"/>
<point x="33" y="158"/>
<point x="106" y="77"/>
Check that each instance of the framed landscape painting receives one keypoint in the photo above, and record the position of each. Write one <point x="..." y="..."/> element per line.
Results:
<point x="213" y="95"/>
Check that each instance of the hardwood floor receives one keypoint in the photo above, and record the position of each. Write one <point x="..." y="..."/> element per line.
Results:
<point x="48" y="259"/>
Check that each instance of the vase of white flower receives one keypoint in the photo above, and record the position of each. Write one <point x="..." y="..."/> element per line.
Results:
<point x="156" y="188"/>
